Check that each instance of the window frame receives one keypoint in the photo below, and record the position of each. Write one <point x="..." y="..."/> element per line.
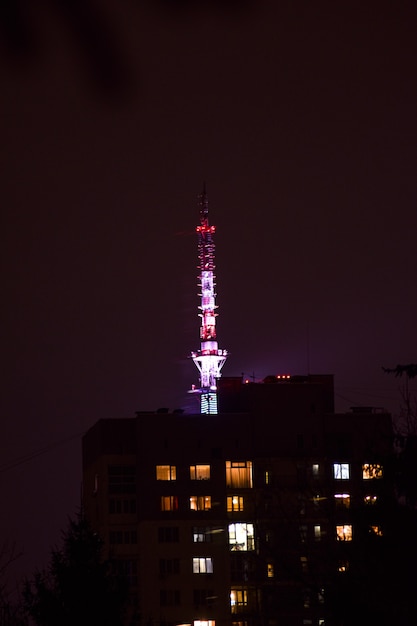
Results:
<point x="341" y="471"/>
<point x="168" y="503"/>
<point x="239" y="474"/>
<point x="121" y="479"/>
<point x="169" y="597"/>
<point x="235" y="504"/>
<point x="169" y="567"/>
<point x="344" y="532"/>
<point x="202" y="565"/>
<point x="168" y="534"/>
<point x="240" y="602"/>
<point x="342" y="500"/>
<point x="200" y="471"/>
<point x="202" y="503"/>
<point x="204" y="532"/>
<point x="241" y="528"/>
<point x="372" y="471"/>
<point x="170" y="472"/>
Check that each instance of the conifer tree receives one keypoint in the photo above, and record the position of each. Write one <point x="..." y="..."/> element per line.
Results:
<point x="78" y="587"/>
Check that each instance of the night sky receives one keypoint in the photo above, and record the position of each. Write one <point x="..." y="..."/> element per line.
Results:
<point x="301" y="118"/>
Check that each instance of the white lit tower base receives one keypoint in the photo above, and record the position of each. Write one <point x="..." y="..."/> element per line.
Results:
<point x="209" y="359"/>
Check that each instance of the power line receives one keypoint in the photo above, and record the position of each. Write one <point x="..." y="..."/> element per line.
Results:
<point x="33" y="455"/>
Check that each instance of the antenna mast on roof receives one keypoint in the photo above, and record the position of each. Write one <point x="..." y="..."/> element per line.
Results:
<point x="209" y="359"/>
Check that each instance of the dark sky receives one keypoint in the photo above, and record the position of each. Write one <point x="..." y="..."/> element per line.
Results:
<point x="300" y="116"/>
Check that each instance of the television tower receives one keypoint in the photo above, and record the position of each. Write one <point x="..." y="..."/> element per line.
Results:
<point x="209" y="359"/>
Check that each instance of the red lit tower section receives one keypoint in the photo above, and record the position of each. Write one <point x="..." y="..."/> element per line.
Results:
<point x="209" y="359"/>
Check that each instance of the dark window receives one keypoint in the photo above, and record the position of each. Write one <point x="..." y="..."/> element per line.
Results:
<point x="129" y="506"/>
<point x="203" y="597"/>
<point x="301" y="474"/>
<point x="240" y="568"/>
<point x="118" y="506"/>
<point x="168" y="567"/>
<point x="115" y="537"/>
<point x="168" y="534"/>
<point x="122" y="478"/>
<point x="128" y="569"/>
<point x="170" y="597"/>
<point x="121" y="537"/>
<point x="131" y="536"/>
<point x="115" y="506"/>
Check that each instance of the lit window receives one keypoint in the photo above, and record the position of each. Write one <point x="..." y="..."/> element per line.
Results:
<point x="169" y="503"/>
<point x="239" y="474"/>
<point x="202" y="565"/>
<point x="270" y="570"/>
<point x="238" y="599"/>
<point x="267" y="477"/>
<point x="204" y="622"/>
<point x="234" y="503"/>
<point x="200" y="503"/>
<point x="322" y="622"/>
<point x="342" y="500"/>
<point x="370" y="499"/>
<point x="241" y="537"/>
<point x="371" y="470"/>
<point x="315" y="469"/>
<point x="166" y="472"/>
<point x="199" y="472"/>
<point x="208" y="403"/>
<point x="317" y="532"/>
<point x="344" y="532"/>
<point x="376" y="530"/>
<point x="341" y="471"/>
<point x="202" y="534"/>
<point x="343" y="566"/>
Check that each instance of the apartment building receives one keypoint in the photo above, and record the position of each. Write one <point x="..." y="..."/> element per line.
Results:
<point x="247" y="517"/>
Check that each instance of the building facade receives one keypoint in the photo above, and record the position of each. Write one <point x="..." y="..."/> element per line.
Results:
<point x="251" y="516"/>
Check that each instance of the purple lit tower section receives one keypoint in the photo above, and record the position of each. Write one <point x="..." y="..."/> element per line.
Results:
<point x="209" y="359"/>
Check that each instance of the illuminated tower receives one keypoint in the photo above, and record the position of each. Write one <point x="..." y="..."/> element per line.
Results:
<point x="209" y="359"/>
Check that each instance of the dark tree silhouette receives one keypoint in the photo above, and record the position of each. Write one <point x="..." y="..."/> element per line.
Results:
<point x="406" y="438"/>
<point x="409" y="370"/>
<point x="78" y="587"/>
<point x="11" y="613"/>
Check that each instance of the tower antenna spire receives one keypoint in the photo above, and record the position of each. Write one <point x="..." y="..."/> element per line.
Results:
<point x="209" y="359"/>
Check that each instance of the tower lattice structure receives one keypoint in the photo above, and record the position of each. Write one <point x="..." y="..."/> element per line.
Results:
<point x="210" y="358"/>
